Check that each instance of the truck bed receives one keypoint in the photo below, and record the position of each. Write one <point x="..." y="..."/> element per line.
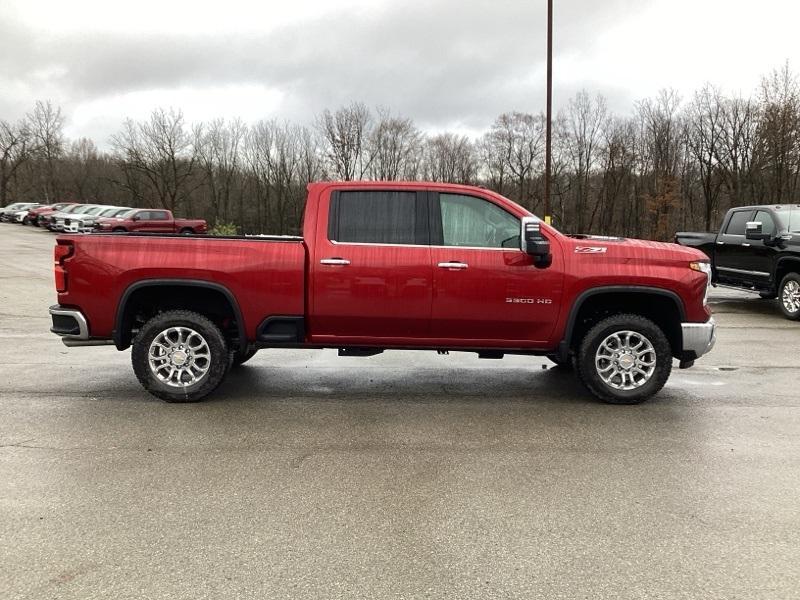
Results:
<point x="265" y="274"/>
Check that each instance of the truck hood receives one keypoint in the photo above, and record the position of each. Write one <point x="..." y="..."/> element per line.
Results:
<point x="632" y="249"/>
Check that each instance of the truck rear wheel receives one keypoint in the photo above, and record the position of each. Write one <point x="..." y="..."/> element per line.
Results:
<point x="789" y="296"/>
<point x="180" y="356"/>
<point x="624" y="359"/>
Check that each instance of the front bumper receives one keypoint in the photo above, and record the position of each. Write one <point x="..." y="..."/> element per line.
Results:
<point x="698" y="338"/>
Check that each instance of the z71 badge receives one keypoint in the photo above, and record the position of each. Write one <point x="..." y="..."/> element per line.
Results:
<point x="590" y="249"/>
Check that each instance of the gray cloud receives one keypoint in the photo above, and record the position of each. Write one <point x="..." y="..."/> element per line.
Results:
<point x="441" y="63"/>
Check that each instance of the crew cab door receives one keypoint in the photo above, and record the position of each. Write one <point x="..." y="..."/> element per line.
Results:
<point x="733" y="249"/>
<point x="370" y="271"/>
<point x="487" y="292"/>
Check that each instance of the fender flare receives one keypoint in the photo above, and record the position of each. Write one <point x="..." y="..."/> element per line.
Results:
<point x="569" y="330"/>
<point x="116" y="335"/>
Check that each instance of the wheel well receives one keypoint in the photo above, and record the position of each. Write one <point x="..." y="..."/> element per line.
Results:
<point x="663" y="310"/>
<point x="143" y="302"/>
<point x="786" y="266"/>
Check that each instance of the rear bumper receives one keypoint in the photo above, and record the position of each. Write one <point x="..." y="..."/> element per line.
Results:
<point x="698" y="338"/>
<point x="69" y="323"/>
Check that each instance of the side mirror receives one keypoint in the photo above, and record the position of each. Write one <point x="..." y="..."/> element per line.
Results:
<point x="135" y="218"/>
<point x="753" y="230"/>
<point x="533" y="243"/>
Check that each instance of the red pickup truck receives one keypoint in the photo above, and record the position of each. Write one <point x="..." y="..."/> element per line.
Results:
<point x="389" y="266"/>
<point x="151" y="221"/>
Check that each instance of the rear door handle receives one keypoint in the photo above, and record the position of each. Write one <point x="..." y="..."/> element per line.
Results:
<point x="745" y="245"/>
<point x="334" y="261"/>
<point x="720" y="243"/>
<point x="453" y="265"/>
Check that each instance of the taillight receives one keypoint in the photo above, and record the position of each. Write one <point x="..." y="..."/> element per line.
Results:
<point x="62" y="252"/>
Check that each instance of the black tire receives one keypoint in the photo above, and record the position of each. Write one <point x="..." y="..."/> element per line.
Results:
<point x="119" y="230"/>
<point x="787" y="296"/>
<point x="218" y="356"/>
<point x="186" y="231"/>
<point x="588" y="372"/>
<point x="242" y="356"/>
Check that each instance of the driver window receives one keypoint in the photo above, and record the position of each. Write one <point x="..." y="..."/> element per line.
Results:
<point x="471" y="221"/>
<point x="767" y="223"/>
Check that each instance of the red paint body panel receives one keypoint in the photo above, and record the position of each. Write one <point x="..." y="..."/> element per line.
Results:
<point x="388" y="295"/>
<point x="265" y="277"/>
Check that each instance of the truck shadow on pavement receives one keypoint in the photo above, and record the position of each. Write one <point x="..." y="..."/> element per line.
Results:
<point x="254" y="382"/>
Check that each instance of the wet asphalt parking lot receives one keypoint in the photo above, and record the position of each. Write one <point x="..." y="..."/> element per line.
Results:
<point x="405" y="475"/>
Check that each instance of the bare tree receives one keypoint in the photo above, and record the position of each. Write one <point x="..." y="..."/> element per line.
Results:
<point x="585" y="120"/>
<point x="345" y="132"/>
<point x="218" y="151"/>
<point x="15" y="150"/>
<point x="779" y="135"/>
<point x="704" y="140"/>
<point x="391" y="145"/>
<point x="450" y="158"/>
<point x="514" y="146"/>
<point x="46" y="126"/>
<point x="158" y="158"/>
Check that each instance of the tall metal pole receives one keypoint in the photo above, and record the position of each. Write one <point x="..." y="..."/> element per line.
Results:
<point x="548" y="157"/>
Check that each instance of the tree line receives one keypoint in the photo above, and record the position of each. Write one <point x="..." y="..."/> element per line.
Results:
<point x="672" y="163"/>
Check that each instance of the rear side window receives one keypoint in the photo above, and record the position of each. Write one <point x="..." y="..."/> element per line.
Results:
<point x="158" y="215"/>
<point x="377" y="217"/>
<point x="736" y="225"/>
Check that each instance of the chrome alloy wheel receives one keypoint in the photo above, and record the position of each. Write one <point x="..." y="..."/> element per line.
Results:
<point x="791" y="296"/>
<point x="625" y="360"/>
<point x="179" y="357"/>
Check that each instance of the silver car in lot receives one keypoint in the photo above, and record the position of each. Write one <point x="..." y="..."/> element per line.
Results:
<point x="14" y="213"/>
<point x="84" y="222"/>
<point x="58" y="219"/>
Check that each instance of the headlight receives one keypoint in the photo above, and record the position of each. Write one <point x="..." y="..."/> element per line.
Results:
<point x="703" y="267"/>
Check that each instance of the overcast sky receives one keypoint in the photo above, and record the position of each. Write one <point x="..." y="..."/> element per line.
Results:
<point x="448" y="64"/>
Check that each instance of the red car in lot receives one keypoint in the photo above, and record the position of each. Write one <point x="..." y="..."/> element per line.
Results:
<point x="150" y="220"/>
<point x="389" y="266"/>
<point x="37" y="216"/>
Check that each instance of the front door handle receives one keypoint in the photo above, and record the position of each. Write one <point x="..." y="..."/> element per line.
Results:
<point x="745" y="245"/>
<point x="720" y="243"/>
<point x="453" y="265"/>
<point x="334" y="261"/>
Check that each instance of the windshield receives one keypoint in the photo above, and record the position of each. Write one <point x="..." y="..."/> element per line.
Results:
<point x="790" y="217"/>
<point x="127" y="213"/>
<point x="94" y="210"/>
<point x="119" y="212"/>
<point x="13" y="206"/>
<point x="84" y="209"/>
<point x="109" y="212"/>
<point x="73" y="209"/>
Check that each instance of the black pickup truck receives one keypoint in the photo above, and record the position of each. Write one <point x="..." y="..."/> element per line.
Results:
<point x="757" y="249"/>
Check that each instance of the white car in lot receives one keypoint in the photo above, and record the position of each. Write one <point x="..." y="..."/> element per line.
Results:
<point x="14" y="213"/>
<point x="84" y="222"/>
<point x="58" y="219"/>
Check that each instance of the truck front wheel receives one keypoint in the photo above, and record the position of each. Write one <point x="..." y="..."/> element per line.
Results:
<point x="624" y="359"/>
<point x="180" y="356"/>
<point x="790" y="296"/>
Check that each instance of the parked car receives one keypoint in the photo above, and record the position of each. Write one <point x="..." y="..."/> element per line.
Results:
<point x="85" y="222"/>
<point x="16" y="214"/>
<point x="14" y="206"/>
<point x="756" y="249"/>
<point x="37" y="215"/>
<point x="50" y="220"/>
<point x="389" y="266"/>
<point x="58" y="220"/>
<point x="149" y="220"/>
